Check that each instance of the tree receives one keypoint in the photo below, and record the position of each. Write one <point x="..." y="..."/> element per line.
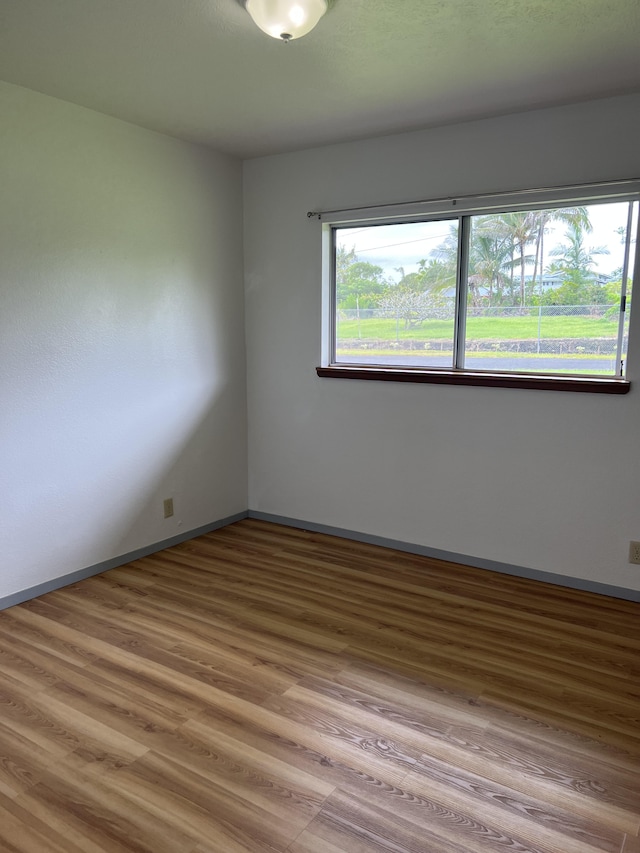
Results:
<point x="344" y="259"/>
<point x="414" y="307"/>
<point x="575" y="259"/>
<point x="435" y="276"/>
<point x="501" y="244"/>
<point x="519" y="227"/>
<point x="358" y="283"/>
<point x="490" y="254"/>
<point x="576" y="262"/>
<point x="568" y="215"/>
<point x="442" y="265"/>
<point x="497" y="247"/>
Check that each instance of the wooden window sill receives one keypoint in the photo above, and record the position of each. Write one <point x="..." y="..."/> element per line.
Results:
<point x="529" y="381"/>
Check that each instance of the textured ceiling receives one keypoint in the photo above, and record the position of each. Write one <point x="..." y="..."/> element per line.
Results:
<point x="201" y="69"/>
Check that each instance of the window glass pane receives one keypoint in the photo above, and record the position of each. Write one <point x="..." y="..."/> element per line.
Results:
<point x="543" y="290"/>
<point x="395" y="293"/>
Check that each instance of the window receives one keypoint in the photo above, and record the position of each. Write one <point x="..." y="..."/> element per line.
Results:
<point x="505" y="290"/>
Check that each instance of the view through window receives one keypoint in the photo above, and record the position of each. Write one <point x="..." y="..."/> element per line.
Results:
<point x="541" y="290"/>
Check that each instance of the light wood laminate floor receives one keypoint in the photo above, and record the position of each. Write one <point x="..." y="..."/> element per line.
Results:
<point x="263" y="689"/>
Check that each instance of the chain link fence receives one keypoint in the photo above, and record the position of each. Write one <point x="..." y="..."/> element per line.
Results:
<point x="562" y="330"/>
<point x="446" y="312"/>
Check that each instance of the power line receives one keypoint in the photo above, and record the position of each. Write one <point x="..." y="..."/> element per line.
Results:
<point x="403" y="243"/>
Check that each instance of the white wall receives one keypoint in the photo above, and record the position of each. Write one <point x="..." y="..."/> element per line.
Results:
<point x="544" y="480"/>
<point x="122" y="360"/>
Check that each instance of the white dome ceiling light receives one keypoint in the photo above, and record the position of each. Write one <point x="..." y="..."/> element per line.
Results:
<point x="286" y="19"/>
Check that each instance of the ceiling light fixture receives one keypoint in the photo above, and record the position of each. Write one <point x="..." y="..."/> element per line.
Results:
<point x="286" y="19"/>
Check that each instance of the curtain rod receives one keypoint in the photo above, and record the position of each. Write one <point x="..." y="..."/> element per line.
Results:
<point x="453" y="200"/>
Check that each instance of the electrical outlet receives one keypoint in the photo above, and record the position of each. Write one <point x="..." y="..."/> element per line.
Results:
<point x="634" y="553"/>
<point x="168" y="511"/>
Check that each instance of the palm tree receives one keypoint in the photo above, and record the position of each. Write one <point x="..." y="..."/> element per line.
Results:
<point x="444" y="259"/>
<point x="575" y="259"/>
<point x="490" y="253"/>
<point x="515" y="232"/>
<point x="568" y="215"/>
<point x="520" y="227"/>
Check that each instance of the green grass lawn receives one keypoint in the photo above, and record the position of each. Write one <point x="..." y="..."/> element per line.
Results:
<point x="481" y="328"/>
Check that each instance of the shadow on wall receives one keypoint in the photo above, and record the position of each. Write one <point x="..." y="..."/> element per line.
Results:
<point x="103" y="497"/>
